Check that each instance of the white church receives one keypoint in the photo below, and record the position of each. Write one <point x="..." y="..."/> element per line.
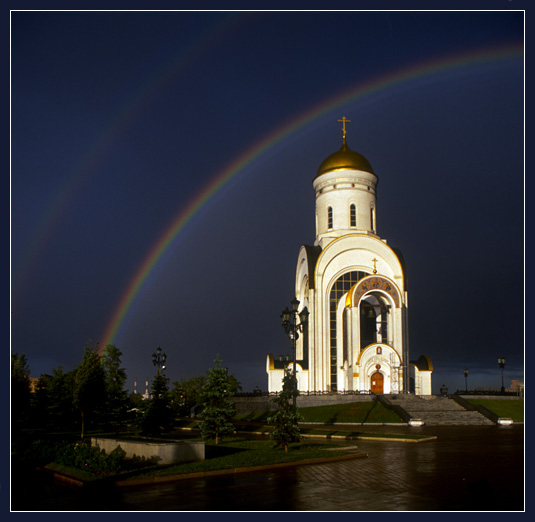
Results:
<point x="354" y="287"/>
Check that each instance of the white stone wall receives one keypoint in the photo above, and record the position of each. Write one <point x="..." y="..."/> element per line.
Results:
<point x="422" y="381"/>
<point x="164" y="452"/>
<point x="338" y="190"/>
<point x="275" y="376"/>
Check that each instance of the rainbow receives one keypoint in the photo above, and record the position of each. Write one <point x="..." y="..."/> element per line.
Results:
<point x="384" y="84"/>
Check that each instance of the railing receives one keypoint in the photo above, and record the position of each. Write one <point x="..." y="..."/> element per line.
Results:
<point x="487" y="392"/>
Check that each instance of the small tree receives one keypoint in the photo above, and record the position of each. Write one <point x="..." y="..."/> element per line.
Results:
<point x="218" y="409"/>
<point x="286" y="418"/>
<point x="116" y="403"/>
<point x="89" y="385"/>
<point x="53" y="400"/>
<point x="158" y="415"/>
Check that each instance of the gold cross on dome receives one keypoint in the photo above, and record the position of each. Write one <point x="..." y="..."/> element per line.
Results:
<point x="374" y="265"/>
<point x="344" y="120"/>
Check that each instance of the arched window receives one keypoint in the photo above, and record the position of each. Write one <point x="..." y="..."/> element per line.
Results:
<point x="330" y="218"/>
<point x="352" y="215"/>
<point x="372" y="219"/>
<point x="339" y="288"/>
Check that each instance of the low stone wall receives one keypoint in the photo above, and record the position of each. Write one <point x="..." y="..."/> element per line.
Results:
<point x="306" y="401"/>
<point x="167" y="452"/>
<point x="245" y="405"/>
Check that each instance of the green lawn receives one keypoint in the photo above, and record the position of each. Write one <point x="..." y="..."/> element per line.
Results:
<point x="231" y="453"/>
<point x="238" y="453"/>
<point x="512" y="409"/>
<point x="352" y="412"/>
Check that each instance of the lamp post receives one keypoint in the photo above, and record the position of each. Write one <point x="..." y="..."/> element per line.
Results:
<point x="158" y="359"/>
<point x="501" y="362"/>
<point x="292" y="329"/>
<point x="465" y="371"/>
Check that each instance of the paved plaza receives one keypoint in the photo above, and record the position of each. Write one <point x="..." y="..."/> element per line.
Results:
<point x="477" y="468"/>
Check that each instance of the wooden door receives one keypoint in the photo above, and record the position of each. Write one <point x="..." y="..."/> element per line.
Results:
<point x="376" y="382"/>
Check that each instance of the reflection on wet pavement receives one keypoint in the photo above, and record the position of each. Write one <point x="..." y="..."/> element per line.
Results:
<point x="479" y="468"/>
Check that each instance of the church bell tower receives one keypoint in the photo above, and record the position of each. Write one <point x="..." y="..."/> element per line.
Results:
<point x="346" y="188"/>
<point x="354" y="286"/>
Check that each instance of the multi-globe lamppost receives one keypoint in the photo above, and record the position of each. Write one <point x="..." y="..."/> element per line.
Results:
<point x="465" y="371"/>
<point x="158" y="359"/>
<point x="501" y="362"/>
<point x="292" y="329"/>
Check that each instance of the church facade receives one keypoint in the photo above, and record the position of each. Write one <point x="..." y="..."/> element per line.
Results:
<point x="354" y="286"/>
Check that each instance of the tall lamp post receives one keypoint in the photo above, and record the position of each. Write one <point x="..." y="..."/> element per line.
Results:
<point x="292" y="329"/>
<point x="501" y="362"/>
<point x="465" y="371"/>
<point x="158" y="359"/>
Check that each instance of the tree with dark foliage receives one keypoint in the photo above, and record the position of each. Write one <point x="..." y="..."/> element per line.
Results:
<point x="20" y="391"/>
<point x="158" y="414"/>
<point x="286" y="418"/>
<point x="89" y="385"/>
<point x="116" y="403"/>
<point x="218" y="409"/>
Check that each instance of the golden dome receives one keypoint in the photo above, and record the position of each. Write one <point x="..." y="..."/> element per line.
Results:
<point x="345" y="158"/>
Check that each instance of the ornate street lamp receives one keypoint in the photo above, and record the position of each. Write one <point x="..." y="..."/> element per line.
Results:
<point x="501" y="362"/>
<point x="465" y="371"/>
<point x="158" y="359"/>
<point x="292" y="329"/>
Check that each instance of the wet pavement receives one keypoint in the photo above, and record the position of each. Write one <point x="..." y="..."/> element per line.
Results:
<point x="477" y="468"/>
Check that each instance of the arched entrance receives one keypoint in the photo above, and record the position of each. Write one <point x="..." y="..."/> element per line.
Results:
<point x="376" y="382"/>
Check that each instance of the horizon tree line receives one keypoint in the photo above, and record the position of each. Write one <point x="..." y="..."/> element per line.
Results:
<point x="93" y="395"/>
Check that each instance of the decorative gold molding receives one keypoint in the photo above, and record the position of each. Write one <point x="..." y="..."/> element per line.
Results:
<point x="370" y="284"/>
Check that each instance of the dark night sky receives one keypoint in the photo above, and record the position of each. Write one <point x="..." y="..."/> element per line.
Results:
<point x="119" y="120"/>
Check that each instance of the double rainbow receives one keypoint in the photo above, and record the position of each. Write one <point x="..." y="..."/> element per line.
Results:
<point x="409" y="77"/>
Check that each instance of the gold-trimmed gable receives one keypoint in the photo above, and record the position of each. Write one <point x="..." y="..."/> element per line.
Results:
<point x="369" y="284"/>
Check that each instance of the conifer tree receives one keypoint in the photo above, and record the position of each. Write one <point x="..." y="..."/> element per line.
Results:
<point x="286" y="418"/>
<point x="53" y="405"/>
<point x="159" y="415"/>
<point x="89" y="385"/>
<point x="116" y="403"/>
<point x="218" y="409"/>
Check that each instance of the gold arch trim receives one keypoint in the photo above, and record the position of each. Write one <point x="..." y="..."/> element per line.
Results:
<point x="370" y="284"/>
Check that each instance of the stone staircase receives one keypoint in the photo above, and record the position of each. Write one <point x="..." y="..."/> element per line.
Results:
<point x="436" y="410"/>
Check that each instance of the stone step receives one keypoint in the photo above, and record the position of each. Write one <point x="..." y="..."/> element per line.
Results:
<point x="456" y="421"/>
<point x="451" y="418"/>
<point x="439" y="411"/>
<point x="444" y="405"/>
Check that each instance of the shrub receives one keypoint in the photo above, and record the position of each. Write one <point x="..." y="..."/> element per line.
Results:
<point x="41" y="452"/>
<point x="81" y="455"/>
